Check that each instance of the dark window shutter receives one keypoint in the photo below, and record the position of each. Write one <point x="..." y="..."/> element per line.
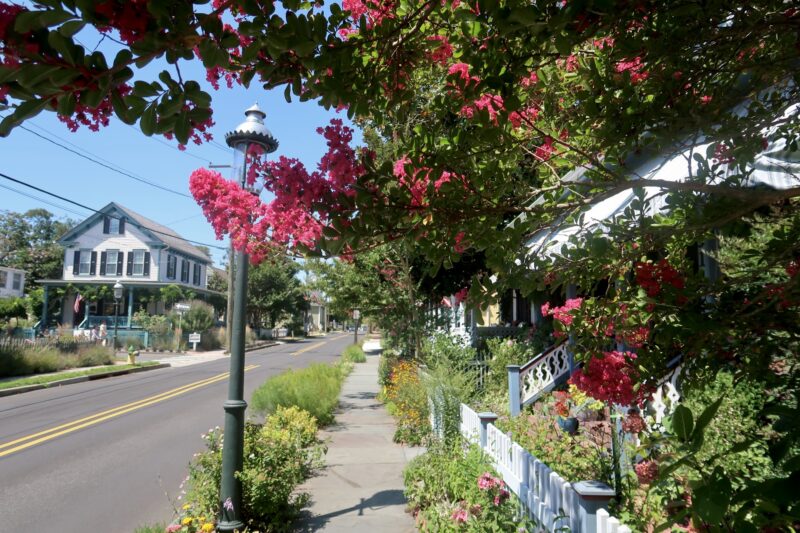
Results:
<point x="121" y="226"/>
<point x="196" y="276"/>
<point x="130" y="263"/>
<point x="76" y="262"/>
<point x="106" y="222"/>
<point x="102" y="263"/>
<point x="147" y="263"/>
<point x="119" y="262"/>
<point x="93" y="265"/>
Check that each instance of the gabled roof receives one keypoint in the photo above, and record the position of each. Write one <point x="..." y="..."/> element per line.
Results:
<point x="151" y="228"/>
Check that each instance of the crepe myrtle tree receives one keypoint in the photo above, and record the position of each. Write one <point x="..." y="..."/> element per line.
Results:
<point x="485" y="108"/>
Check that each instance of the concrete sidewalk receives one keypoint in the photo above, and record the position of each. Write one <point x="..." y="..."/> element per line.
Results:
<point x="361" y="489"/>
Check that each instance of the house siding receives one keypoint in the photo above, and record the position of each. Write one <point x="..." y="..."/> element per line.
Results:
<point x="7" y="289"/>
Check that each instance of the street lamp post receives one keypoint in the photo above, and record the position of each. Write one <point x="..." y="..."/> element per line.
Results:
<point x="118" y="288"/>
<point x="251" y="139"/>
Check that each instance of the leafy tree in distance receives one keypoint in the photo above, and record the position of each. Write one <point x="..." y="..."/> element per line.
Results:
<point x="28" y="241"/>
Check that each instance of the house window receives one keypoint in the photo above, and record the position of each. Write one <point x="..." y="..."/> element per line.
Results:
<point x="112" y="257"/>
<point x="197" y="271"/>
<point x="172" y="266"/>
<point x="3" y="278"/>
<point x="16" y="283"/>
<point x="113" y="225"/>
<point x="138" y="262"/>
<point x="184" y="271"/>
<point x="85" y="262"/>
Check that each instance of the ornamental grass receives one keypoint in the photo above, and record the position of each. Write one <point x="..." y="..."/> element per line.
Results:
<point x="314" y="389"/>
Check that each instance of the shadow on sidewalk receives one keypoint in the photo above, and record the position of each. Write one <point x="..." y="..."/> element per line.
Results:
<point x="308" y="523"/>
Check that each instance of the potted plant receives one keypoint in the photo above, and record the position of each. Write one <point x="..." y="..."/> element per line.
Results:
<point x="568" y="404"/>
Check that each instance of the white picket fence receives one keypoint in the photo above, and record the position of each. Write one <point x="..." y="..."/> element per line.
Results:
<point x="548" y="499"/>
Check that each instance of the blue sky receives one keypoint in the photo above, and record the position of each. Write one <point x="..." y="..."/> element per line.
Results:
<point x="26" y="157"/>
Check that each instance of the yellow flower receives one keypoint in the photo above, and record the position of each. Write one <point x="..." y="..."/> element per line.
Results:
<point x="208" y="527"/>
<point x="186" y="521"/>
<point x="186" y="506"/>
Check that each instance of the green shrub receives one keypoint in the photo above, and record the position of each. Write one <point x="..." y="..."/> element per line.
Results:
<point x="389" y="358"/>
<point x="95" y="356"/>
<point x="199" y="317"/>
<point x="12" y="361"/>
<point x="354" y="354"/>
<point x="314" y="389"/>
<point x="504" y="352"/>
<point x="277" y="458"/>
<point x="442" y="350"/>
<point x="447" y="388"/>
<point x="42" y="359"/>
<point x="450" y="490"/>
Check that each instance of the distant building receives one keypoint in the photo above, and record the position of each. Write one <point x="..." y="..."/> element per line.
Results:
<point x="317" y="318"/>
<point x="12" y="282"/>
<point x="117" y="243"/>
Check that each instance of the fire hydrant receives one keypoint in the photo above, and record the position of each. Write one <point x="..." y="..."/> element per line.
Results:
<point x="132" y="354"/>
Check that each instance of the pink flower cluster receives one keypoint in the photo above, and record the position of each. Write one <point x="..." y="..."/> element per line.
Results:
<point x="635" y="69"/>
<point x="418" y="181"/>
<point x="93" y="117"/>
<point x="303" y="201"/>
<point x="490" y="483"/>
<point x="610" y="377"/>
<point x="564" y="313"/>
<point x="129" y="17"/>
<point x="443" y="51"/>
<point x="646" y="471"/>
<point x="633" y="423"/>
<point x="654" y="277"/>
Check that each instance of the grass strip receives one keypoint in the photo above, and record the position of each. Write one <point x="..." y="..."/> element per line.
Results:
<point x="39" y="380"/>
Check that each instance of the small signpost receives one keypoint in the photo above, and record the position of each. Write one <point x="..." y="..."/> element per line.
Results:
<point x="356" y="316"/>
<point x="181" y="308"/>
<point x="194" y="338"/>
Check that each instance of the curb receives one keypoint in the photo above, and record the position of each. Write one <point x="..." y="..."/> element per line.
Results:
<point x="80" y="379"/>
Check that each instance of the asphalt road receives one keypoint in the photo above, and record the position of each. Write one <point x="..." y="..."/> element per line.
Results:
<point x="110" y="455"/>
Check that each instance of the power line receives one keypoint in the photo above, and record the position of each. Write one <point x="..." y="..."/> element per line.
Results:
<point x="96" y="161"/>
<point x="42" y="200"/>
<point x="73" y="202"/>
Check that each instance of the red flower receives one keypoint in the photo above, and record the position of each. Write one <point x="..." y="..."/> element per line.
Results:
<point x="610" y="377"/>
<point x="646" y="471"/>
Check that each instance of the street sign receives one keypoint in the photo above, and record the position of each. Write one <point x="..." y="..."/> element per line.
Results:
<point x="194" y="338"/>
<point x="356" y="314"/>
<point x="182" y="307"/>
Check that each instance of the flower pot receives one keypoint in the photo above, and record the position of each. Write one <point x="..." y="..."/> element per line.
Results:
<point x="568" y="425"/>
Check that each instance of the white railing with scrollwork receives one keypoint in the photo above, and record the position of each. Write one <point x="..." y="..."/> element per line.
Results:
<point x="541" y="373"/>
<point x="664" y="400"/>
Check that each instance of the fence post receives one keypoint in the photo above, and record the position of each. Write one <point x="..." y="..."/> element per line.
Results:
<point x="513" y="389"/>
<point x="486" y="419"/>
<point x="592" y="496"/>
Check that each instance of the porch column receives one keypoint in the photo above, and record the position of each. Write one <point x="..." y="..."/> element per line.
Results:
<point x="536" y="310"/>
<point x="513" y="306"/>
<point x="86" y="312"/>
<point x="130" y="306"/>
<point x="45" y="302"/>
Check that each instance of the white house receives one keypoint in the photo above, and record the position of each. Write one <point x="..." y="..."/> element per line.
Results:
<point x="117" y="243"/>
<point x="12" y="282"/>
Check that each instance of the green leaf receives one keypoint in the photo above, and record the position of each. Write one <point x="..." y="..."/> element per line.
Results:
<point x="25" y="110"/>
<point x="682" y="422"/>
<point x="705" y="417"/>
<point x="148" y="120"/>
<point x="710" y="501"/>
<point x="33" y="20"/>
<point x="70" y="28"/>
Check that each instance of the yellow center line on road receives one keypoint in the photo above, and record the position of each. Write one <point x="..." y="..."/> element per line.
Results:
<point x="307" y="348"/>
<point x="49" y="434"/>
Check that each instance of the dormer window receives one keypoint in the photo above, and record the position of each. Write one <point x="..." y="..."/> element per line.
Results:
<point x="113" y="225"/>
